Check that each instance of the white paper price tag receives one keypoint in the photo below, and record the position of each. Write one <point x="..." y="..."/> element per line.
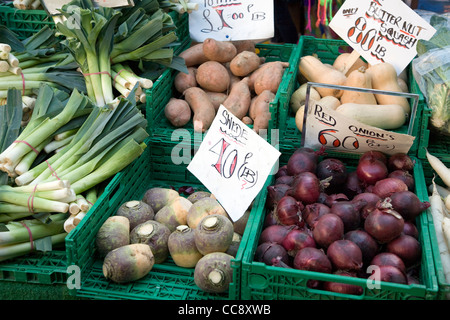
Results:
<point x="232" y="20"/>
<point x="233" y="162"/>
<point x="381" y="30"/>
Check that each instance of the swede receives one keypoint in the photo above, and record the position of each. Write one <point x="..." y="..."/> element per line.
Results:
<point x="174" y="213"/>
<point x="214" y="233"/>
<point x="203" y="208"/>
<point x="182" y="247"/>
<point x="158" y="197"/>
<point x="194" y="197"/>
<point x="128" y="263"/>
<point x="114" y="233"/>
<point x="155" y="235"/>
<point x="136" y="211"/>
<point x="213" y="272"/>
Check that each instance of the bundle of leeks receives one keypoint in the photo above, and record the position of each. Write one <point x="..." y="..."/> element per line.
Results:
<point x="100" y="39"/>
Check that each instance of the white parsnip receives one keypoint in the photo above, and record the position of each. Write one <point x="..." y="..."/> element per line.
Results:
<point x="439" y="167"/>
<point x="437" y="213"/>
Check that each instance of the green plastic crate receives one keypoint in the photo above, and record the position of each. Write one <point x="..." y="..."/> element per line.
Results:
<point x="262" y="282"/>
<point x="327" y="51"/>
<point x="165" y="281"/>
<point x="157" y="97"/>
<point x="24" y="23"/>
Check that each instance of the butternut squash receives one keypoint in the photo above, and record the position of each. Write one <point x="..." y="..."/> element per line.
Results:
<point x="340" y="63"/>
<point x="298" y="97"/>
<point x="387" y="117"/>
<point x="384" y="77"/>
<point x="358" y="78"/>
<point x="315" y="71"/>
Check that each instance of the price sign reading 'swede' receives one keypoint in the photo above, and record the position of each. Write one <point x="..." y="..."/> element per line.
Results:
<point x="381" y="30"/>
<point x="233" y="162"/>
<point x="232" y="20"/>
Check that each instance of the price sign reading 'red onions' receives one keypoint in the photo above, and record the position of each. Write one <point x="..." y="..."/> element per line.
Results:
<point x="233" y="162"/>
<point x="381" y="30"/>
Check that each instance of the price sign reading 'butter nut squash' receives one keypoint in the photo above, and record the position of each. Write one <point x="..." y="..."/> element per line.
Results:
<point x="232" y="20"/>
<point x="381" y="30"/>
<point x="335" y="130"/>
<point x="233" y="162"/>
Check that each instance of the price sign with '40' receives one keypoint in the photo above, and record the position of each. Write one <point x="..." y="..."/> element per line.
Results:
<point x="233" y="162"/>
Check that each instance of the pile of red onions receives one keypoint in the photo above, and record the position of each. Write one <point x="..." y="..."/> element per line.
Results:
<point x="323" y="217"/>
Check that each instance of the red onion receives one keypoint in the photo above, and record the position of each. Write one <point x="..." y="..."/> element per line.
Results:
<point x="302" y="160"/>
<point x="275" y="193"/>
<point x="329" y="199"/>
<point x="284" y="180"/>
<point x="389" y="273"/>
<point x="353" y="185"/>
<point x="377" y="155"/>
<point x="297" y="240"/>
<point x="275" y="233"/>
<point x="412" y="279"/>
<point x="345" y="255"/>
<point x="312" y="259"/>
<point x="327" y="229"/>
<point x="278" y="262"/>
<point x="369" y="247"/>
<point x="384" y="224"/>
<point x="282" y="171"/>
<point x="388" y="259"/>
<point x="349" y="212"/>
<point x="345" y="288"/>
<point x="370" y="197"/>
<point x="408" y="204"/>
<point x="334" y="169"/>
<point x="410" y="229"/>
<point x="407" y="248"/>
<point x="386" y="187"/>
<point x="289" y="210"/>
<point x="306" y="188"/>
<point x="270" y="219"/>
<point x="369" y="171"/>
<point x="400" y="161"/>
<point x="405" y="176"/>
<point x="313" y="211"/>
<point x="268" y="251"/>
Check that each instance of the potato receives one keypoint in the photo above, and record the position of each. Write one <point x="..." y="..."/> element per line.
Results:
<point x="239" y="98"/>
<point x="178" y="112"/>
<point x="217" y="98"/>
<point x="268" y="76"/>
<point x="244" y="63"/>
<point x="220" y="51"/>
<point x="244" y="45"/>
<point x="259" y="110"/>
<point x="213" y="76"/>
<point x="182" y="80"/>
<point x="193" y="56"/>
<point x="202" y="107"/>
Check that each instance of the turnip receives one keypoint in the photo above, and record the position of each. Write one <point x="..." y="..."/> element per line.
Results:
<point x="194" y="197"/>
<point x="159" y="197"/>
<point x="213" y="272"/>
<point x="239" y="225"/>
<point x="114" y="233"/>
<point x="174" y="213"/>
<point x="154" y="234"/>
<point x="128" y="263"/>
<point x="214" y="233"/>
<point x="234" y="246"/>
<point x="182" y="247"/>
<point x="203" y="208"/>
<point x="136" y="211"/>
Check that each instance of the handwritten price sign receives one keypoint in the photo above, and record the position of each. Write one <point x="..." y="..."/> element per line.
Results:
<point x="233" y="162"/>
<point x="381" y="30"/>
<point x="232" y="20"/>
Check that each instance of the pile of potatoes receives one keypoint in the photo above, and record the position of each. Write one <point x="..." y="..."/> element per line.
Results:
<point x="195" y="231"/>
<point x="228" y="73"/>
<point x="379" y="110"/>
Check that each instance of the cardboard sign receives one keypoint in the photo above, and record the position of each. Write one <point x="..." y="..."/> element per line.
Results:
<point x="232" y="20"/>
<point x="325" y="127"/>
<point x="233" y="162"/>
<point x="381" y="30"/>
<point x="52" y="6"/>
